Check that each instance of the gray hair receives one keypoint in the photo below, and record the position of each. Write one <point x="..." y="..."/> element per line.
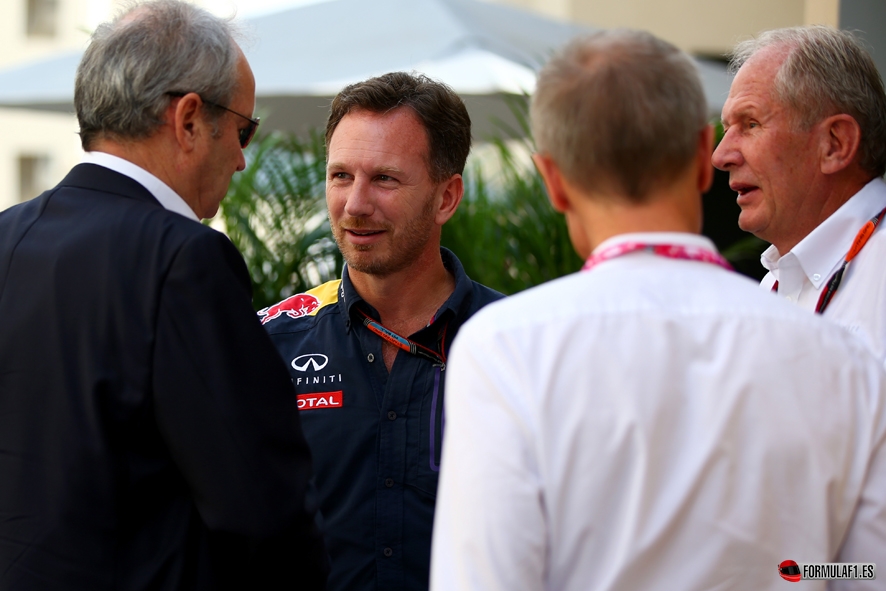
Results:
<point x="135" y="61"/>
<point x="619" y="110"/>
<point x="826" y="72"/>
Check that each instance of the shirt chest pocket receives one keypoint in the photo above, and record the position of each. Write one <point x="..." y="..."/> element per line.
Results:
<point x="426" y="435"/>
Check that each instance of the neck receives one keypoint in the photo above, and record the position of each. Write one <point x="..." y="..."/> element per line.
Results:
<point x="835" y="195"/>
<point x="143" y="153"/>
<point x="639" y="220"/>
<point x="674" y="209"/>
<point x="153" y="154"/>
<point x="407" y="299"/>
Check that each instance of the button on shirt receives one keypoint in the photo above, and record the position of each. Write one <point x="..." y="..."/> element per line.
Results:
<point x="655" y="424"/>
<point x="860" y="302"/>
<point x="375" y="437"/>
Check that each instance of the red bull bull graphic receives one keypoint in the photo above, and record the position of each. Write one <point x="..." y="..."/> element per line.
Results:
<point x="296" y="306"/>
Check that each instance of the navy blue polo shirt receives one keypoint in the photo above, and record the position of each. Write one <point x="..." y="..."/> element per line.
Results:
<point x="375" y="437"/>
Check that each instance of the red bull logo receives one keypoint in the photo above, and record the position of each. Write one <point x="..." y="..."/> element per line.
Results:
<point x="301" y="304"/>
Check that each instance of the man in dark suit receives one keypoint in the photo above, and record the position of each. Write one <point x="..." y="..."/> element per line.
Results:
<point x="149" y="436"/>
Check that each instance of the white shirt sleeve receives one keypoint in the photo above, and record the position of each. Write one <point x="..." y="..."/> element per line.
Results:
<point x="489" y="529"/>
<point x="866" y="538"/>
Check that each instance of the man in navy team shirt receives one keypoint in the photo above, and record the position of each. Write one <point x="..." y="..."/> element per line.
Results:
<point x="367" y="353"/>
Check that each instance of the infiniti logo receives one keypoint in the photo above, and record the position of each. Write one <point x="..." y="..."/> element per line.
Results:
<point x="315" y="360"/>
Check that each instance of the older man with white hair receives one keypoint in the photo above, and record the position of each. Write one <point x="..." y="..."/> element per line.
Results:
<point x="805" y="148"/>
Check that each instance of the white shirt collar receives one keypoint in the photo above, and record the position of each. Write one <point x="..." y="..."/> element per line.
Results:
<point x="682" y="238"/>
<point x="823" y="249"/>
<point x="168" y="198"/>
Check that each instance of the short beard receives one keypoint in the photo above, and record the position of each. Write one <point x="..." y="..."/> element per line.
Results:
<point x="412" y="240"/>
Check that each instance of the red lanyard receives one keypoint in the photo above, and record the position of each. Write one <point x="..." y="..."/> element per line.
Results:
<point x="671" y="251"/>
<point x="861" y="239"/>
<point x="405" y="344"/>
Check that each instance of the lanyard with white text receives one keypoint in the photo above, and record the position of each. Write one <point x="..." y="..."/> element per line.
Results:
<point x="671" y="251"/>
<point x="405" y="344"/>
<point x="834" y="282"/>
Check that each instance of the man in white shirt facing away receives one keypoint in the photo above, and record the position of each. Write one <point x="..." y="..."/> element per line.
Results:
<point x="805" y="147"/>
<point x="656" y="421"/>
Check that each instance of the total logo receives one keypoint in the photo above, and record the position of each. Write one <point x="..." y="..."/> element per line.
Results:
<point x="319" y="400"/>
<point x="316" y="361"/>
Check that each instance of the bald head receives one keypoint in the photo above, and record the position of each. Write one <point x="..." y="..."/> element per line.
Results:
<point x="619" y="111"/>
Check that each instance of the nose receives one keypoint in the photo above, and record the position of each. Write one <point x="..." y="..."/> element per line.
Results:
<point x="728" y="153"/>
<point x="359" y="201"/>
<point x="241" y="163"/>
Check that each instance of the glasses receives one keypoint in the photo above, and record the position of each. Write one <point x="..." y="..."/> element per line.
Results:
<point x="246" y="134"/>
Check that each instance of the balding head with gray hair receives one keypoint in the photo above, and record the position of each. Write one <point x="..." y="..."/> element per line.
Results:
<point x="135" y="61"/>
<point x="619" y="111"/>
<point x="826" y="72"/>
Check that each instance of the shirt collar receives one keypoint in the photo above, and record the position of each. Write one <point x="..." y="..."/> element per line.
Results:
<point x="168" y="198"/>
<point x="681" y="238"/>
<point x="458" y="302"/>
<point x="823" y="249"/>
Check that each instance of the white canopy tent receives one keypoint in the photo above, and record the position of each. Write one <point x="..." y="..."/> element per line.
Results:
<point x="303" y="56"/>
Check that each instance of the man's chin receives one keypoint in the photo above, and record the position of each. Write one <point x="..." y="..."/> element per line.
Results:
<point x="751" y="223"/>
<point x="362" y="259"/>
<point x="371" y="263"/>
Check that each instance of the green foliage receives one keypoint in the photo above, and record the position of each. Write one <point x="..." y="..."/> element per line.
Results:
<point x="275" y="214"/>
<point x="718" y="130"/>
<point x="506" y="233"/>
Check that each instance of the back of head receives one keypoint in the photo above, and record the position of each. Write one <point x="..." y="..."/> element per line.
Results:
<point x="619" y="111"/>
<point x="440" y="110"/>
<point x="135" y="61"/>
<point x="826" y="72"/>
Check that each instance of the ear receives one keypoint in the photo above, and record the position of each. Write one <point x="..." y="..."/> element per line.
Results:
<point x="840" y="139"/>
<point x="553" y="180"/>
<point x="187" y="121"/>
<point x="451" y="192"/>
<point x="705" y="172"/>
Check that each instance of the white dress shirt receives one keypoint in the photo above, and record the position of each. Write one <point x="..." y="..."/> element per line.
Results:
<point x="168" y="198"/>
<point x="655" y="424"/>
<point x="860" y="302"/>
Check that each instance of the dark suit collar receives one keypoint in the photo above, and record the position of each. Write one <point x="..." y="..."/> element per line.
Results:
<point x="99" y="178"/>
